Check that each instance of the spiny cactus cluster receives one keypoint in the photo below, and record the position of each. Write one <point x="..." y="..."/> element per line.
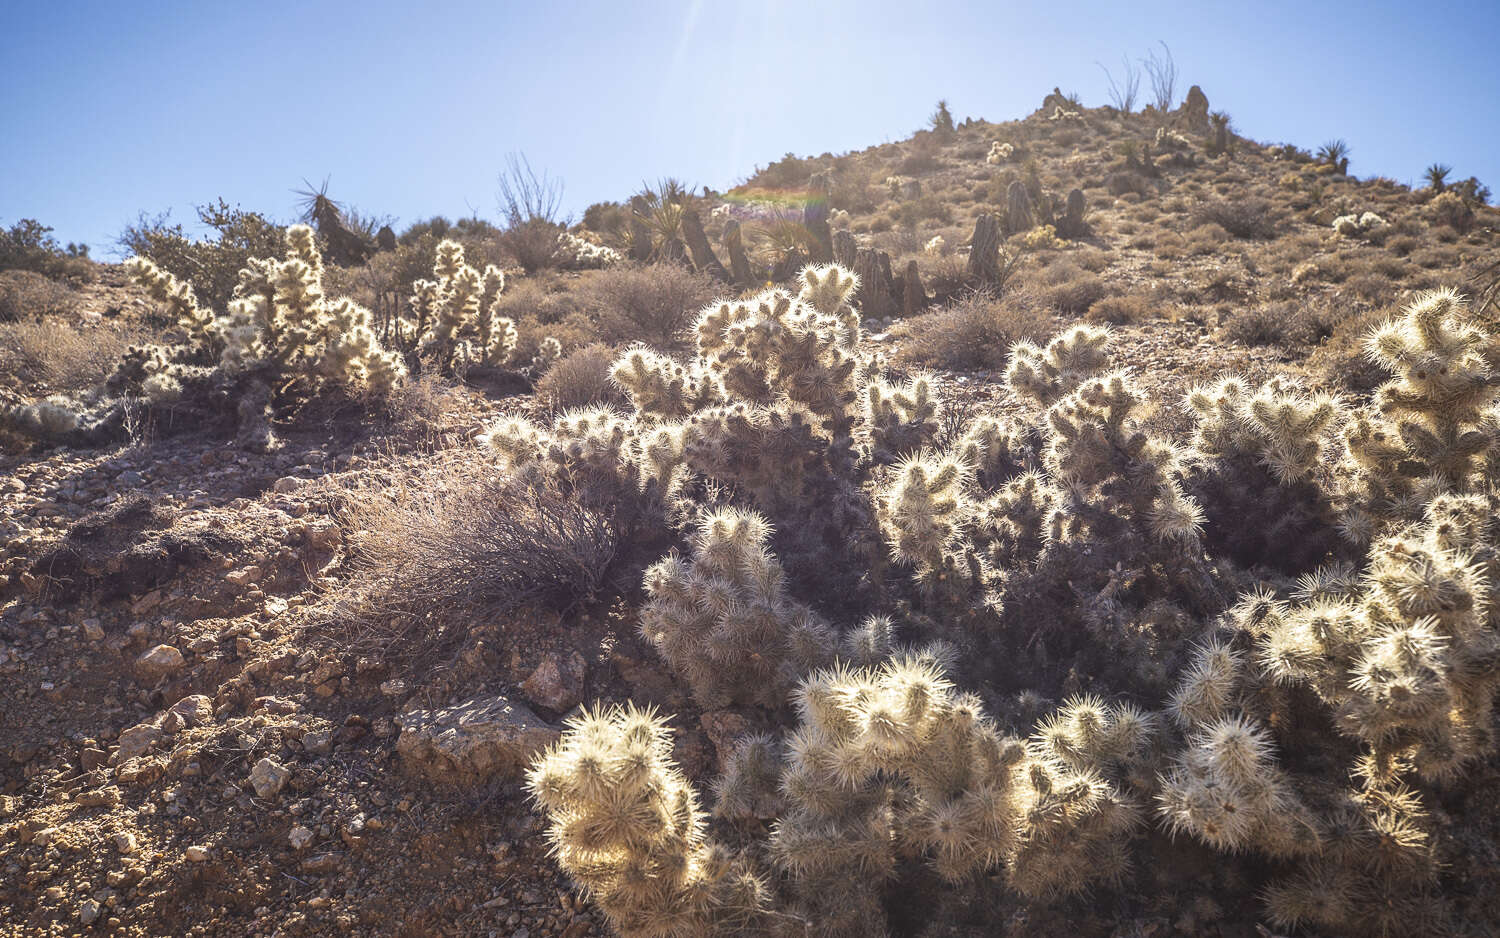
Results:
<point x="1264" y="467"/>
<point x="999" y="153"/>
<point x="627" y="828"/>
<point x="454" y="316"/>
<point x="279" y="331"/>
<point x="1294" y="722"/>
<point x="578" y="253"/>
<point x="279" y="320"/>
<point x="1354" y="226"/>
<point x="723" y="621"/>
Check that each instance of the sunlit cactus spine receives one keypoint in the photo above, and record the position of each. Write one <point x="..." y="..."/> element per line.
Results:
<point x="723" y="619"/>
<point x="1226" y="790"/>
<point x="900" y="419"/>
<point x="658" y="386"/>
<point x="1433" y="426"/>
<point x="1096" y="443"/>
<point x="175" y="294"/>
<point x="1047" y="375"/>
<point x="626" y="826"/>
<point x="548" y="353"/>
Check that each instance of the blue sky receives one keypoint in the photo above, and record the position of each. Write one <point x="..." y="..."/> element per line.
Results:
<point x="115" y="108"/>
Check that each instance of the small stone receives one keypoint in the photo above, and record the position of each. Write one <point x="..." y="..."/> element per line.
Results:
<point x="287" y="485"/>
<point x="92" y="630"/>
<point x="159" y="661"/>
<point x="299" y="837"/>
<point x="130" y="477"/>
<point x="137" y="741"/>
<point x="557" y="683"/>
<point x="472" y="742"/>
<point x="197" y="853"/>
<point x="88" y="913"/>
<point x="268" y="777"/>
<point x="193" y="710"/>
<point x="125" y="842"/>
<point x="317" y="742"/>
<point x="245" y="575"/>
<point x="395" y="687"/>
<point x="45" y="836"/>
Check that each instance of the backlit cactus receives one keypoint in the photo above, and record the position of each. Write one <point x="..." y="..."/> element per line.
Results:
<point x="626" y="826"/>
<point x="454" y="316"/>
<point x="724" y="621"/>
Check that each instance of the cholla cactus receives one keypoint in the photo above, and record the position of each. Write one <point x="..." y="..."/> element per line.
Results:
<point x="178" y="297"/>
<point x="724" y="621"/>
<point x="1263" y="469"/>
<point x="935" y="246"/>
<point x="1434" y="427"/>
<point x="626" y="826"/>
<point x="1226" y="790"/>
<point x="922" y="510"/>
<point x="999" y="153"/>
<point x="1375" y="875"/>
<point x="548" y="352"/>
<point x="1406" y="664"/>
<point x="660" y="387"/>
<point x="900" y="419"/>
<point x="893" y="759"/>
<point x="280" y="319"/>
<point x="578" y="253"/>
<point x="1051" y="374"/>
<point x="1356" y="225"/>
<point x="456" y="315"/>
<point x="1096" y="443"/>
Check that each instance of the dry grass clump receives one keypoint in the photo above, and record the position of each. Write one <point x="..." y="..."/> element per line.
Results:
<point x="646" y="304"/>
<point x="1292" y="324"/>
<point x="546" y="306"/>
<point x="437" y="541"/>
<point x="1125" y="308"/>
<point x="1242" y="218"/>
<point x="1070" y="289"/>
<point x="580" y="379"/>
<point x="973" y="333"/>
<point x="1340" y="362"/>
<point x="63" y="356"/>
<point x="26" y="294"/>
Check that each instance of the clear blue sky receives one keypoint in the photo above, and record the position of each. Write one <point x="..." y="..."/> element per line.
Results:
<point x="115" y="108"/>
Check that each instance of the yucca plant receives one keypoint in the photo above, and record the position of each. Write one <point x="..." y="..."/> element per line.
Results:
<point x="1437" y="176"/>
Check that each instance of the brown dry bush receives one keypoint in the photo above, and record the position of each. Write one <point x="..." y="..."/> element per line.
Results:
<point x="973" y="333"/>
<point x="1288" y="325"/>
<point x="647" y="304"/>
<point x="1124" y="309"/>
<point x="546" y="306"/>
<point x="580" y="378"/>
<point x="63" y="356"/>
<point x="434" y="545"/>
<point x="1242" y="218"/>
<point x="1070" y="289"/>
<point x="1341" y="361"/>
<point x="26" y="294"/>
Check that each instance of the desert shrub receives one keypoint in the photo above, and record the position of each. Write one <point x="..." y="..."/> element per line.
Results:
<point x="25" y="294"/>
<point x="29" y="245"/>
<point x="1339" y="361"/>
<point x="1125" y="308"/>
<point x="974" y="332"/>
<point x="1242" y="218"/>
<point x="529" y="206"/>
<point x="926" y="208"/>
<point x="921" y="159"/>
<point x="1286" y="324"/>
<point x="1448" y="209"/>
<point x="1069" y="289"/>
<point x="432" y="545"/>
<point x="64" y="356"/>
<point x="646" y="304"/>
<point x="210" y="266"/>
<point x="580" y="379"/>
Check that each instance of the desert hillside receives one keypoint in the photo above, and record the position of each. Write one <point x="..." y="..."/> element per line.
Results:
<point x="1083" y="524"/>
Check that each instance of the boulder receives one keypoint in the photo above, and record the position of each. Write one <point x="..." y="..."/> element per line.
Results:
<point x="557" y="683"/>
<point x="472" y="742"/>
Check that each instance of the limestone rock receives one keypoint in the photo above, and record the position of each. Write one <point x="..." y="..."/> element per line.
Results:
<point x="473" y="741"/>
<point x="158" y="662"/>
<point x="557" y="683"/>
<point x="268" y="777"/>
<point x="137" y="741"/>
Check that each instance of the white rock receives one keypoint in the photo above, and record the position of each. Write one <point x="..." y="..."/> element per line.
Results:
<point x="300" y="837"/>
<point x="197" y="853"/>
<point x="268" y="777"/>
<point x="159" y="661"/>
